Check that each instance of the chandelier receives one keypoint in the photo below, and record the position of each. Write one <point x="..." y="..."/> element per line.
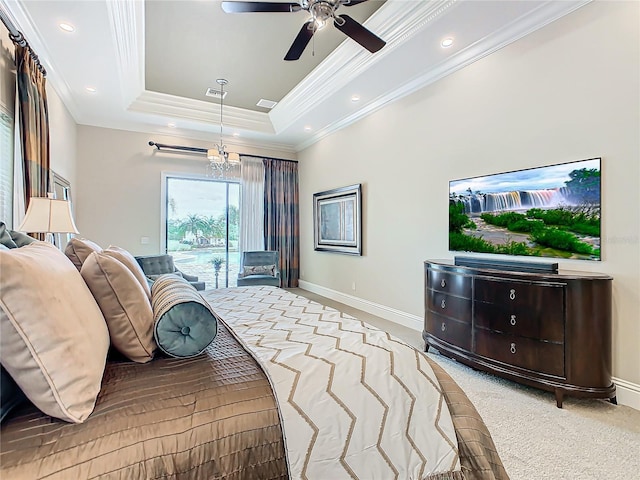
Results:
<point x="221" y="161"/>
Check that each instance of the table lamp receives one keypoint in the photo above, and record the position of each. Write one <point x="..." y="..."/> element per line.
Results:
<point x="48" y="215"/>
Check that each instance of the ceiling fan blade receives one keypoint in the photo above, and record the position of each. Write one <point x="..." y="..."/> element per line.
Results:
<point x="249" y="7"/>
<point x="351" y="3"/>
<point x="364" y="37"/>
<point x="301" y="41"/>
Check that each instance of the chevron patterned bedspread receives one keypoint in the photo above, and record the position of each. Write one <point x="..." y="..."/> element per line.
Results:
<point x="354" y="401"/>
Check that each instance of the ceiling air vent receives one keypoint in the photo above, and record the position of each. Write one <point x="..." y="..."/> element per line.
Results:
<point x="212" y="92"/>
<point x="266" y="103"/>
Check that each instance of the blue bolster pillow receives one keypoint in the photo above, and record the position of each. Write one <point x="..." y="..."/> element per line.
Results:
<point x="184" y="323"/>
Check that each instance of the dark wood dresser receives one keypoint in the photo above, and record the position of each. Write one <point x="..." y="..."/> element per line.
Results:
<point x="546" y="330"/>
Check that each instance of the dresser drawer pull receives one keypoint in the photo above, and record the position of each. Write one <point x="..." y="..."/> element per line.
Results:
<point x="443" y="283"/>
<point x="443" y="304"/>
<point x="513" y="348"/>
<point x="513" y="320"/>
<point x="512" y="294"/>
<point x="443" y="327"/>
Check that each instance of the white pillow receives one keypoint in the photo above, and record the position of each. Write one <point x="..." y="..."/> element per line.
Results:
<point x="132" y="264"/>
<point x="53" y="337"/>
<point x="78" y="249"/>
<point x="124" y="304"/>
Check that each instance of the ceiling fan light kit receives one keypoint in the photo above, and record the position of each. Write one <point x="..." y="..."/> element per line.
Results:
<point x="321" y="11"/>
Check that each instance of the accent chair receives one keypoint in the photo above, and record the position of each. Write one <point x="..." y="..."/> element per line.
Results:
<point x="259" y="268"/>
<point x="156" y="265"/>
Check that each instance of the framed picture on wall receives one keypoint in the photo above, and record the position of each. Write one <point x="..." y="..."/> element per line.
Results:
<point x="337" y="217"/>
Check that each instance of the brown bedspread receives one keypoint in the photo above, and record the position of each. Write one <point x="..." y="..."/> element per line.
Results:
<point x="209" y="417"/>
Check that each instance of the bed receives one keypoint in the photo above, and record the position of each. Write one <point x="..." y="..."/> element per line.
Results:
<point x="223" y="415"/>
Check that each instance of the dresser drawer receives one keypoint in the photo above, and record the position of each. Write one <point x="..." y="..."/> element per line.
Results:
<point x="531" y="322"/>
<point x="522" y="352"/>
<point x="448" y="305"/>
<point x="447" y="282"/>
<point x="449" y="330"/>
<point x="543" y="297"/>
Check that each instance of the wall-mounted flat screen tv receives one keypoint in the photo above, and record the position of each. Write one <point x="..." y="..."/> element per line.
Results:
<point x="550" y="211"/>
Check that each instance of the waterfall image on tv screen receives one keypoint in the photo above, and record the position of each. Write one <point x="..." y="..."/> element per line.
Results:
<point x="550" y="211"/>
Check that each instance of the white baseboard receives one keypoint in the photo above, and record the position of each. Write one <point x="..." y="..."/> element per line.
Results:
<point x="627" y="393"/>
<point x="388" y="313"/>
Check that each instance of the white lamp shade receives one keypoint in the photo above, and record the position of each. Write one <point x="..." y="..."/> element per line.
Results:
<point x="46" y="215"/>
<point x="233" y="157"/>
<point x="214" y="155"/>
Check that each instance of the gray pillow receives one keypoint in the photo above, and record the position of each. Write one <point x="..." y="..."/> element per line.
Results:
<point x="21" y="239"/>
<point x="13" y="239"/>
<point x="184" y="323"/>
<point x="5" y="237"/>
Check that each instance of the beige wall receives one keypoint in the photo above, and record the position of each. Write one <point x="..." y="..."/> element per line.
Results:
<point x="567" y="92"/>
<point x="119" y="194"/>
<point x="62" y="141"/>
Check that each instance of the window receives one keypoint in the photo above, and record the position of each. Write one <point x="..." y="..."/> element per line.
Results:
<point x="6" y="167"/>
<point x="201" y="224"/>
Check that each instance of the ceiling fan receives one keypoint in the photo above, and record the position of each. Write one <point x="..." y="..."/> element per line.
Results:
<point x="321" y="11"/>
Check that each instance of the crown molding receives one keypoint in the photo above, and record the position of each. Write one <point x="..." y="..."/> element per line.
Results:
<point x="394" y="21"/>
<point x="23" y="22"/>
<point x="519" y="28"/>
<point x="207" y="113"/>
<point x="126" y="22"/>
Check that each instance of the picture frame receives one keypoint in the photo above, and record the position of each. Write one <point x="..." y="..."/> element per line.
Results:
<point x="337" y="218"/>
<point x="61" y="188"/>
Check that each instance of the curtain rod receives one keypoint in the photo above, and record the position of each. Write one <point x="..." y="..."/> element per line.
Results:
<point x="180" y="148"/>
<point x="161" y="146"/>
<point x="17" y="37"/>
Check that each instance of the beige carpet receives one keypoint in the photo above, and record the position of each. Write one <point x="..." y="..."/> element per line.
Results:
<point x="586" y="439"/>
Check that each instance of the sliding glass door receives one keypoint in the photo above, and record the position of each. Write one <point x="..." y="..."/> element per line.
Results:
<point x="201" y="228"/>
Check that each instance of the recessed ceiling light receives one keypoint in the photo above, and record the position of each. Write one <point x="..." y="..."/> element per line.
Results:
<point x="307" y="128"/>
<point x="447" y="42"/>
<point x="90" y="89"/>
<point x="67" y="27"/>
<point x="236" y="134"/>
<point x="171" y="125"/>
<point x="355" y="98"/>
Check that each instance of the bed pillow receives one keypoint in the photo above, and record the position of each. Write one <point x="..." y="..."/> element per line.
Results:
<point x="53" y="337"/>
<point x="258" y="270"/>
<point x="78" y="249"/>
<point x="124" y="304"/>
<point x="184" y="323"/>
<point x="21" y="239"/>
<point x="5" y="237"/>
<point x="130" y="262"/>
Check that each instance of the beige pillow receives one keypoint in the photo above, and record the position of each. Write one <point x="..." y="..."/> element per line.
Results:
<point x="78" y="249"/>
<point x="124" y="304"/>
<point x="53" y="337"/>
<point x="132" y="264"/>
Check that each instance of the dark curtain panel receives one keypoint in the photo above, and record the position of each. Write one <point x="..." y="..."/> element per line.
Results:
<point x="34" y="125"/>
<point x="281" y="224"/>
